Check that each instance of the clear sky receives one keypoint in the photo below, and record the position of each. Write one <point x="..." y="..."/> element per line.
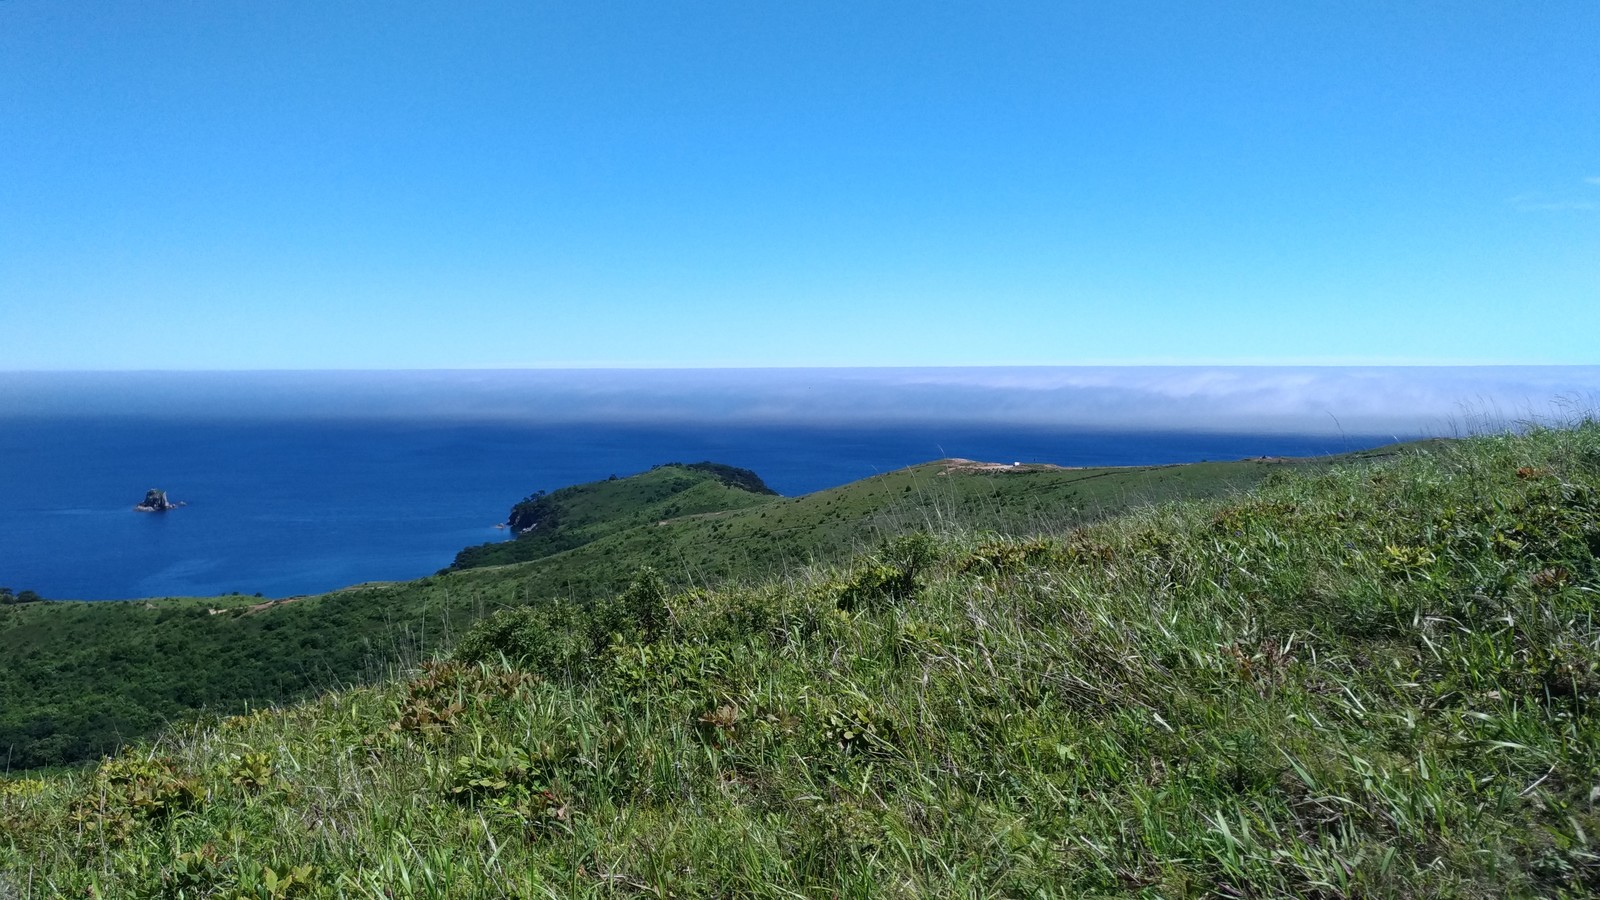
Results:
<point x="290" y="184"/>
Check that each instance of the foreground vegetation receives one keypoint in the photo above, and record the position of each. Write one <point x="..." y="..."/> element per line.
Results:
<point x="78" y="680"/>
<point x="1374" y="680"/>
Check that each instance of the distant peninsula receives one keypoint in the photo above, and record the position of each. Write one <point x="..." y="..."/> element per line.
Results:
<point x="156" y="501"/>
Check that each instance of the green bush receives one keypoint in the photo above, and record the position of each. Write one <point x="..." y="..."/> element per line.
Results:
<point x="551" y="639"/>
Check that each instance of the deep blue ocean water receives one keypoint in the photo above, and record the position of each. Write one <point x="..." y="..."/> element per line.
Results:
<point x="285" y="507"/>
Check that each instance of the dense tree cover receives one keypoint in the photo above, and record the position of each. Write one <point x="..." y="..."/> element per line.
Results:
<point x="732" y="476"/>
<point x="79" y="679"/>
<point x="8" y="596"/>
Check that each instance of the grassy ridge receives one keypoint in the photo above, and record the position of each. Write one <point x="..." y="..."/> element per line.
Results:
<point x="772" y="537"/>
<point x="81" y="678"/>
<point x="1368" y="681"/>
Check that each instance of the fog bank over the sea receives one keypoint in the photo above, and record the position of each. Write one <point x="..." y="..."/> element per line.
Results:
<point x="1306" y="400"/>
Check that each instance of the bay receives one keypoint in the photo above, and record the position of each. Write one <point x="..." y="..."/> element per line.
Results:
<point x="283" y="506"/>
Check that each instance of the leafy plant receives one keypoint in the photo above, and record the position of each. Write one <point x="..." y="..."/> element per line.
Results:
<point x="251" y="772"/>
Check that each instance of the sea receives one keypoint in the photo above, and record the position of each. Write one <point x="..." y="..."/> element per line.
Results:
<point x="283" y="508"/>
<point x="299" y="482"/>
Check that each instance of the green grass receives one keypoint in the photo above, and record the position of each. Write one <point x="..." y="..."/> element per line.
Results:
<point x="584" y="513"/>
<point x="79" y="679"/>
<point x="1373" y="680"/>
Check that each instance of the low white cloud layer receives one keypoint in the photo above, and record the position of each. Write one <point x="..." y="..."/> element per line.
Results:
<point x="1402" y="401"/>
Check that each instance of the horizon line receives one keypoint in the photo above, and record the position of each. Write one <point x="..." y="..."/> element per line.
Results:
<point x="817" y="368"/>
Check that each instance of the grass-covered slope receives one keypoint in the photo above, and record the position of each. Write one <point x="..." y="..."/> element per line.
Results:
<point x="1371" y="681"/>
<point x="772" y="535"/>
<point x="549" y="523"/>
<point x="79" y="679"/>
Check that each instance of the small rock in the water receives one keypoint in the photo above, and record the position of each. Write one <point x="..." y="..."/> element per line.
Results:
<point x="156" y="501"/>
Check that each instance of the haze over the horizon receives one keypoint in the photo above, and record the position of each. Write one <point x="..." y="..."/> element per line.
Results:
<point x="1370" y="401"/>
<point x="297" y="185"/>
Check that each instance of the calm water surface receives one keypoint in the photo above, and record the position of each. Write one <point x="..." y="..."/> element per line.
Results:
<point x="292" y="507"/>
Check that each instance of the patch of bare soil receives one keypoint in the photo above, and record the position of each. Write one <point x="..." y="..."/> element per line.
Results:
<point x="258" y="607"/>
<point x="959" y="465"/>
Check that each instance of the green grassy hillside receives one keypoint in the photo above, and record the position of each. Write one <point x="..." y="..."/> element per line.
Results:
<point x="581" y="514"/>
<point x="79" y="679"/>
<point x="1368" y="680"/>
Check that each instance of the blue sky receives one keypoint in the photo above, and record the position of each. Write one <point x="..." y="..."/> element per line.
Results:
<point x="225" y="185"/>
